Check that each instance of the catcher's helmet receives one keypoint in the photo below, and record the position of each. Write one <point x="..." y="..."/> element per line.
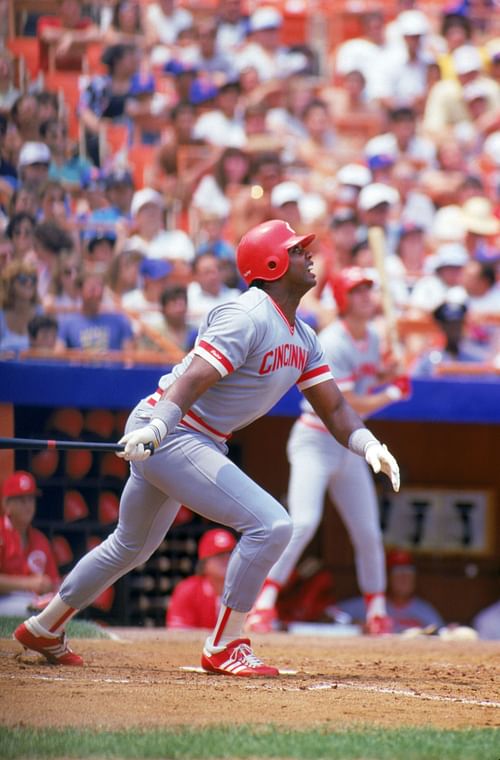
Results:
<point x="262" y="253"/>
<point x="345" y="281"/>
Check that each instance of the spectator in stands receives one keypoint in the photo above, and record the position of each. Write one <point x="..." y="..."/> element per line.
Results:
<point x="376" y="203"/>
<point x="363" y="53"/>
<point x="24" y="199"/>
<point x="91" y="329"/>
<point x="252" y="203"/>
<point x="445" y="269"/>
<point x="175" y="325"/>
<point x="126" y="24"/>
<point x="48" y="106"/>
<point x="483" y="290"/>
<point x="316" y="150"/>
<point x="211" y="60"/>
<point x="19" y="303"/>
<point x="151" y="237"/>
<point x="232" y="26"/>
<point x="402" y="76"/>
<point x="211" y="236"/>
<point x="207" y="289"/>
<point x="119" y="191"/>
<point x="42" y="331"/>
<point x="33" y="164"/>
<point x="404" y="607"/>
<point x="263" y="49"/>
<point x="456" y="30"/>
<point x="63" y="38"/>
<point x="122" y="276"/>
<point x="481" y="226"/>
<point x="9" y="93"/>
<point x="445" y="106"/>
<point x="450" y="317"/>
<point x="195" y="601"/>
<point x="21" y="230"/>
<point x="24" y="116"/>
<point x="221" y="125"/>
<point x="50" y="240"/>
<point x="54" y="206"/>
<point x="285" y="199"/>
<point x="143" y="302"/>
<point x="99" y="247"/>
<point x="217" y="189"/>
<point x="63" y="293"/>
<point x="66" y="165"/>
<point x="163" y="21"/>
<point x="111" y="96"/>
<point x="27" y="565"/>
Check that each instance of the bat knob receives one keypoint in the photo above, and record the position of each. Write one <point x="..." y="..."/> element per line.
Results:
<point x="150" y="447"/>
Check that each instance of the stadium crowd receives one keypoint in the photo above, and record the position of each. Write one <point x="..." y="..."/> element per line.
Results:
<point x="140" y="139"/>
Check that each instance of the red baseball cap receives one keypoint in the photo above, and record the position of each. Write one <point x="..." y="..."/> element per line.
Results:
<point x="20" y="483"/>
<point x="217" y="541"/>
<point x="399" y="558"/>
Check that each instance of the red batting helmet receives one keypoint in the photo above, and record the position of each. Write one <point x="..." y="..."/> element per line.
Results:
<point x="262" y="253"/>
<point x="345" y="281"/>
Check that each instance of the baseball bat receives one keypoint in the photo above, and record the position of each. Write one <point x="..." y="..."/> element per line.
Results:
<point x="376" y="240"/>
<point x="35" y="444"/>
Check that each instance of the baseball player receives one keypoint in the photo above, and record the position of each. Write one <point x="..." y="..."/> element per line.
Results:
<point x="320" y="464"/>
<point x="248" y="353"/>
<point x="195" y="602"/>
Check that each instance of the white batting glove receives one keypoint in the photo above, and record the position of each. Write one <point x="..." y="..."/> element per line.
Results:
<point x="380" y="458"/>
<point x="139" y="444"/>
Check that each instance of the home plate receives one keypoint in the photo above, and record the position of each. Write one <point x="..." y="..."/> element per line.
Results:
<point x="193" y="669"/>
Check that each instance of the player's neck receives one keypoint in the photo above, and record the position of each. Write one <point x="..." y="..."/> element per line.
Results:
<point x="356" y="327"/>
<point x="287" y="301"/>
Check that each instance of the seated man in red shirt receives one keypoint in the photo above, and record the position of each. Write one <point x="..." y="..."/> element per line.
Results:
<point x="196" y="600"/>
<point x="27" y="565"/>
<point x="69" y="32"/>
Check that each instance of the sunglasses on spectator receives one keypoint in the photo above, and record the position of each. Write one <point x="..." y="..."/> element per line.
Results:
<point x="26" y="279"/>
<point x="70" y="270"/>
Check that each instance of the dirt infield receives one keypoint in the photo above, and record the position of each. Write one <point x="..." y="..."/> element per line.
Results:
<point x="340" y="683"/>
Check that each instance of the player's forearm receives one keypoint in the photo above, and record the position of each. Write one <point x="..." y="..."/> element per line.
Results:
<point x="342" y="422"/>
<point x="188" y="388"/>
<point x="9" y="583"/>
<point x="367" y="404"/>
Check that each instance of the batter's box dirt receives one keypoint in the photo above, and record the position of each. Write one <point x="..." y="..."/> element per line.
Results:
<point x="359" y="681"/>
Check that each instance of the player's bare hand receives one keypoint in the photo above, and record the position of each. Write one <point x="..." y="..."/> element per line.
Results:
<point x="39" y="583"/>
<point x="380" y="459"/>
<point x="139" y="444"/>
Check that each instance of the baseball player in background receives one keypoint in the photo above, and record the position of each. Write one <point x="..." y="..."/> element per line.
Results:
<point x="248" y="354"/>
<point x="319" y="464"/>
<point x="195" y="602"/>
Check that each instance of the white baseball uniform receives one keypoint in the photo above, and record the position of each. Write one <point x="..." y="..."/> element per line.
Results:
<point x="319" y="464"/>
<point x="259" y="357"/>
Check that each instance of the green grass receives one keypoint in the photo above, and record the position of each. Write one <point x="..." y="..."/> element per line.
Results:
<point x="77" y="629"/>
<point x="245" y="742"/>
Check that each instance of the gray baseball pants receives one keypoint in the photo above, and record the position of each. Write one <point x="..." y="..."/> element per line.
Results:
<point x="188" y="468"/>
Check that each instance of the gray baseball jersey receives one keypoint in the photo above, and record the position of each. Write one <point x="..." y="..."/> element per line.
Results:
<point x="259" y="356"/>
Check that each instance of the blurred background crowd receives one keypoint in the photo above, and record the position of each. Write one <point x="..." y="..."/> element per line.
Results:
<point x="139" y="139"/>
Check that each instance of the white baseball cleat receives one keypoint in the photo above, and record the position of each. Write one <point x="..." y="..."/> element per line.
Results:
<point x="237" y="659"/>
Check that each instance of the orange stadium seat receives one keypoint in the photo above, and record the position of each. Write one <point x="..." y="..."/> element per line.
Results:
<point x="67" y="85"/>
<point x="140" y="158"/>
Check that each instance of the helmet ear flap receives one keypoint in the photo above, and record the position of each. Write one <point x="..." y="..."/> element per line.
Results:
<point x="272" y="263"/>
